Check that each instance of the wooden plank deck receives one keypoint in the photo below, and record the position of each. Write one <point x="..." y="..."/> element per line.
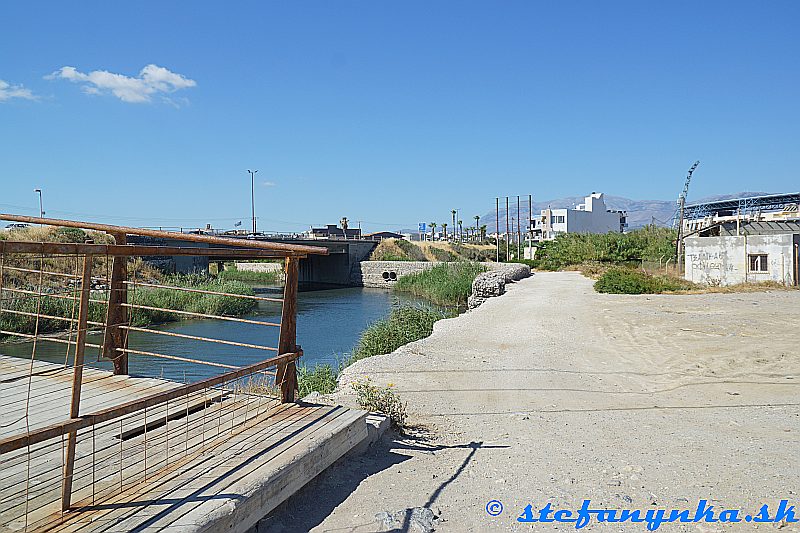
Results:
<point x="223" y="464"/>
<point x="51" y="390"/>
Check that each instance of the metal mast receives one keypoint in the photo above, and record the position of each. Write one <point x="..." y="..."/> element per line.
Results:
<point x="679" y="218"/>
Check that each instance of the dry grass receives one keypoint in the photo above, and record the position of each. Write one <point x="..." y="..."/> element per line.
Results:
<point x="397" y="250"/>
<point x="389" y="250"/>
<point x="590" y="270"/>
<point x="101" y="265"/>
<point x="427" y="247"/>
<point x="762" y="286"/>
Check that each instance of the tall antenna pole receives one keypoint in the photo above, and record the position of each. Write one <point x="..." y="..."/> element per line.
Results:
<point x="497" y="225"/>
<point x="681" y="205"/>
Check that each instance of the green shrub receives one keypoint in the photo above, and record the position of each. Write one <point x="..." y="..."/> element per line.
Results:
<point x="381" y="400"/>
<point x="447" y="284"/>
<point x="530" y="262"/>
<point x="650" y="244"/>
<point x="628" y="281"/>
<point x="69" y="235"/>
<point x="320" y="378"/>
<point x="229" y="274"/>
<point x="403" y="325"/>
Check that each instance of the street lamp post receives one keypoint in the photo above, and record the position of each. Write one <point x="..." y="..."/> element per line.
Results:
<point x="41" y="210"/>
<point x="253" y="196"/>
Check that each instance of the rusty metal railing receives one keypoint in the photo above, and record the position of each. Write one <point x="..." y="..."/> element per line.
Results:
<point x="51" y="466"/>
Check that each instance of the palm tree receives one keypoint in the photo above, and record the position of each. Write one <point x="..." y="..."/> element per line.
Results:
<point x="453" y="212"/>
<point x="477" y="221"/>
<point x="460" y="231"/>
<point x="433" y="231"/>
<point x="483" y="232"/>
<point x="444" y="229"/>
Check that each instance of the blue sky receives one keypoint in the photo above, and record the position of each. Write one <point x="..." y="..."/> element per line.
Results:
<point x="388" y="112"/>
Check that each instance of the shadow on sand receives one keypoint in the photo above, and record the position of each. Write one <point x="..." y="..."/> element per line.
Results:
<point x="314" y="502"/>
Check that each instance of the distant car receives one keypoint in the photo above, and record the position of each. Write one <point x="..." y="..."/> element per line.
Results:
<point x="17" y="226"/>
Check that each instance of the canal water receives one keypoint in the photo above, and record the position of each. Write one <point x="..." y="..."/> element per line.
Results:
<point x="329" y="324"/>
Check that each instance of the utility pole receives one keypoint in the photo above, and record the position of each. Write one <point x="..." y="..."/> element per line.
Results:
<point x="507" y="228"/>
<point x="253" y="196"/>
<point x="530" y="226"/>
<point x="519" y="230"/>
<point x="681" y="205"/>
<point x="497" y="225"/>
<point x="41" y="210"/>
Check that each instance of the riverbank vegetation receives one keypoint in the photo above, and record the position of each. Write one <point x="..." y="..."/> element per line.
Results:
<point x="138" y="270"/>
<point x="445" y="285"/>
<point x="448" y="284"/>
<point x="232" y="273"/>
<point x="568" y="249"/>
<point x="48" y="304"/>
<point x="403" y="325"/>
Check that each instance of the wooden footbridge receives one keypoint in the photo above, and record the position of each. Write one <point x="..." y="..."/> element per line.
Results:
<point x="85" y="449"/>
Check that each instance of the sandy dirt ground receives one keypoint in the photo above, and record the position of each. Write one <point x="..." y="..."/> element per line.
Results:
<point x="554" y="394"/>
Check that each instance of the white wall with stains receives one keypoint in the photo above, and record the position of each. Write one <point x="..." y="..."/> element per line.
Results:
<point x="725" y="260"/>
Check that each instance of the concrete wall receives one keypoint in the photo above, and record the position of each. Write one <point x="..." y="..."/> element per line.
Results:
<point x="385" y="273"/>
<point x="592" y="222"/>
<point x="182" y="264"/>
<point x="336" y="268"/>
<point x="724" y="260"/>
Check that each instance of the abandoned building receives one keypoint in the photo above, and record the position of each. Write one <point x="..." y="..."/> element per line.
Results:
<point x="731" y="252"/>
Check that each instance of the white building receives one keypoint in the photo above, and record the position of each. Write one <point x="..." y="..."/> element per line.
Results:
<point x="592" y="216"/>
<point x="750" y="252"/>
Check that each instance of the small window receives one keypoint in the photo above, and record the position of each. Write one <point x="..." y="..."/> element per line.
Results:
<point x="758" y="262"/>
<point x="558" y="219"/>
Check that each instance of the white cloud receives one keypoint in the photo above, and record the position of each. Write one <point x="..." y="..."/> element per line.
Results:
<point x="8" y="91"/>
<point x="151" y="81"/>
<point x="269" y="184"/>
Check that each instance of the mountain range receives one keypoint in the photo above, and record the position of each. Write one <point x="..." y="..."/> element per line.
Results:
<point x="640" y="212"/>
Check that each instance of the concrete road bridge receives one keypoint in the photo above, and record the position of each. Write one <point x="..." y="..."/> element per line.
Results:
<point x="333" y="269"/>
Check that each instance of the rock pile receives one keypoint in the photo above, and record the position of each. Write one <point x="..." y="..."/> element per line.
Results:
<point x="493" y="283"/>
